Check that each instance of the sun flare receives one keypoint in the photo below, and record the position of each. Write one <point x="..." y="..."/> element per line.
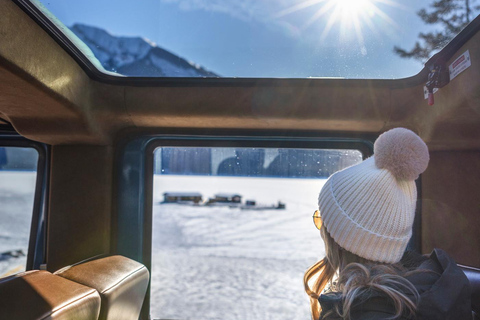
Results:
<point x="351" y="16"/>
<point x="353" y="6"/>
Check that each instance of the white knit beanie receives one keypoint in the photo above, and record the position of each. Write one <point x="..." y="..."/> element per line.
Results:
<point x="368" y="209"/>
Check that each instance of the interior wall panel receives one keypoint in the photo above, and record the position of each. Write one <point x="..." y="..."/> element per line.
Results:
<point x="80" y="206"/>
<point x="451" y="205"/>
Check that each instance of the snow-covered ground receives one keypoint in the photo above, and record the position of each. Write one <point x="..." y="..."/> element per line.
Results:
<point x="224" y="263"/>
<point x="208" y="262"/>
<point x="16" y="204"/>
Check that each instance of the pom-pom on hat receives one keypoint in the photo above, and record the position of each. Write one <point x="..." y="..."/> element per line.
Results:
<point x="369" y="208"/>
<point x="401" y="152"/>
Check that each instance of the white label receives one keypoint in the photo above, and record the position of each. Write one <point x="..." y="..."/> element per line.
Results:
<point x="425" y="92"/>
<point x="460" y="64"/>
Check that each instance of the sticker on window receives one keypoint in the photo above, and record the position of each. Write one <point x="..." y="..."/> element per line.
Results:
<point x="460" y="64"/>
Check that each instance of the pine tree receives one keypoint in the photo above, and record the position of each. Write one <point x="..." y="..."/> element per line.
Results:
<point x="451" y="15"/>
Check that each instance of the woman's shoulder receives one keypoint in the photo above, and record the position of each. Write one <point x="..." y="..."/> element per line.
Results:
<point x="442" y="286"/>
<point x="376" y="307"/>
<point x="434" y="271"/>
<point x="445" y="291"/>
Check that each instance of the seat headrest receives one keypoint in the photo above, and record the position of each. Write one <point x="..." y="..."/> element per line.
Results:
<point x="121" y="282"/>
<point x="41" y="295"/>
<point x="473" y="275"/>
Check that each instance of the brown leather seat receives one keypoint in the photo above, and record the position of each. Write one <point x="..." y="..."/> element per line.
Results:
<point x="121" y="282"/>
<point x="40" y="295"/>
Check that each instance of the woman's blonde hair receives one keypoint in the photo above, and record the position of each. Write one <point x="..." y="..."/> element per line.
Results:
<point x="356" y="277"/>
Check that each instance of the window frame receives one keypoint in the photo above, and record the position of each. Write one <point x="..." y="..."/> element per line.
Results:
<point x="38" y="225"/>
<point x="135" y="170"/>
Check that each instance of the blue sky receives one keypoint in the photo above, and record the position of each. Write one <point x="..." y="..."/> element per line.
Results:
<point x="262" y="38"/>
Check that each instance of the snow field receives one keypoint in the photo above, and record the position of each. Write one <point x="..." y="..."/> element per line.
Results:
<point x="208" y="262"/>
<point x="224" y="263"/>
<point x="16" y="205"/>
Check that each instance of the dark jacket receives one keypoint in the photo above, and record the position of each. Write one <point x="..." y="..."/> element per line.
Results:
<point x="444" y="293"/>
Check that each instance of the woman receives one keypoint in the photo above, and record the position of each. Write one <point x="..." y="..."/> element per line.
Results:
<point x="365" y="218"/>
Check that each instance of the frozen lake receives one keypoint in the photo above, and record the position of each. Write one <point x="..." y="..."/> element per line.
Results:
<point x="224" y="263"/>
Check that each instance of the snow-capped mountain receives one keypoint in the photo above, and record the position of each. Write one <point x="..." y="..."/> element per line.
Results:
<point x="136" y="56"/>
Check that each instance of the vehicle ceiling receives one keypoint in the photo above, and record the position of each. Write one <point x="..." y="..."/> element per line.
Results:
<point x="47" y="96"/>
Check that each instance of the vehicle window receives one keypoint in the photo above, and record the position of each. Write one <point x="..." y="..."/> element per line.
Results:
<point x="232" y="230"/>
<point x="18" y="171"/>
<point x="360" y="39"/>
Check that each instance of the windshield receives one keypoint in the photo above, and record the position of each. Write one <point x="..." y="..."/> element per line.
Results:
<point x="258" y="38"/>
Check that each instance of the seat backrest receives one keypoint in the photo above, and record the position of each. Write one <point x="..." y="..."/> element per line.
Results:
<point x="40" y="295"/>
<point x="473" y="274"/>
<point x="121" y="283"/>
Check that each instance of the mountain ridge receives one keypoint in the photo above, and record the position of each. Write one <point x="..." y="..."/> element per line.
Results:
<point x="136" y="56"/>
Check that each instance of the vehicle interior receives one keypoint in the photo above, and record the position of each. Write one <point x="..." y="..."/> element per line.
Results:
<point x="90" y="235"/>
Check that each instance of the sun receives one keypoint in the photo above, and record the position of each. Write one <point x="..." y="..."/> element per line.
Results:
<point x="353" y="7"/>
<point x="352" y="16"/>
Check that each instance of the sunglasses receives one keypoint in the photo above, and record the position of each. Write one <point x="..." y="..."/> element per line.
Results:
<point x="317" y="219"/>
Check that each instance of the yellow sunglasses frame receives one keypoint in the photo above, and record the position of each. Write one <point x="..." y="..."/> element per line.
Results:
<point x="317" y="219"/>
